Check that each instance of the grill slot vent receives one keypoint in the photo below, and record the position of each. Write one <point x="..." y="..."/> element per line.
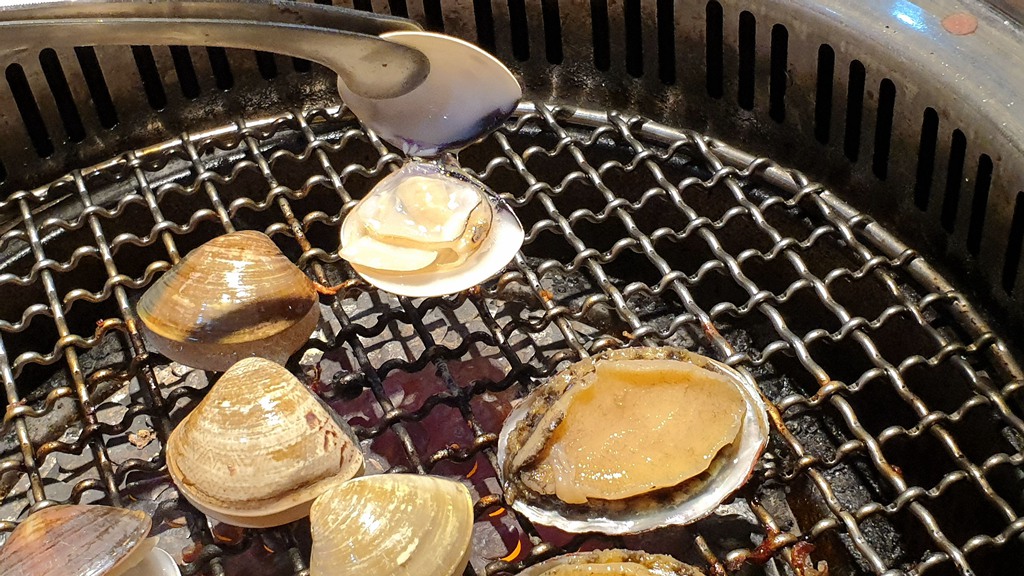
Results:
<point x="29" y="110"/>
<point x="666" y="42"/>
<point x="62" y="97"/>
<point x="779" y="76"/>
<point x="979" y="204"/>
<point x="433" y="15"/>
<point x="634" y="39"/>
<point x="954" y="174"/>
<point x="748" y="56"/>
<point x="267" y="65"/>
<point x="519" y="29"/>
<point x="221" y="68"/>
<point x="97" y="85"/>
<point x="823" y="93"/>
<point x="186" y="72"/>
<point x="552" y="31"/>
<point x="714" y="49"/>
<point x="926" y="158"/>
<point x="484" y="24"/>
<point x="883" y="128"/>
<point x="602" y="42"/>
<point x="150" y="77"/>
<point x="854" y="110"/>
<point x="1013" y="245"/>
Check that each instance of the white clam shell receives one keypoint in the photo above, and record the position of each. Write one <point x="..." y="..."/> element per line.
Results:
<point x="467" y="94"/>
<point x="259" y="448"/>
<point x="730" y="469"/>
<point x="392" y="525"/>
<point x="82" y="540"/>
<point x="499" y="247"/>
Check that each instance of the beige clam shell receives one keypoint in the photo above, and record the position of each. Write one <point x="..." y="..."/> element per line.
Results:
<point x="527" y="429"/>
<point x="234" y="297"/>
<point x="590" y="563"/>
<point x="259" y="448"/>
<point x="392" y="525"/>
<point x="76" y="540"/>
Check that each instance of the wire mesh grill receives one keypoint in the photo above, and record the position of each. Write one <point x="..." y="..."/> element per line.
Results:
<point x="897" y="432"/>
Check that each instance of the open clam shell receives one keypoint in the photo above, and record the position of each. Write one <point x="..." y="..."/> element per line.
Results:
<point x="259" y="448"/>
<point x="467" y="94"/>
<point x="617" y="561"/>
<point x="526" y="437"/>
<point x="392" y="525"/>
<point x="429" y="229"/>
<point x="234" y="297"/>
<point x="83" y="540"/>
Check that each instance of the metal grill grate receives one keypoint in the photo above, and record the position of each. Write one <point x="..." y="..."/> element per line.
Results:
<point x="897" y="442"/>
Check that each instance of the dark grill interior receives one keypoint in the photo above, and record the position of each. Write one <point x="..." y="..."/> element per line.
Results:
<point x="897" y="433"/>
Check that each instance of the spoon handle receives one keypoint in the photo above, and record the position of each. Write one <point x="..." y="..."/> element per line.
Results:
<point x="342" y="39"/>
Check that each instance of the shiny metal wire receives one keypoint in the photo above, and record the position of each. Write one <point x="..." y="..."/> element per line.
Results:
<point x="897" y="422"/>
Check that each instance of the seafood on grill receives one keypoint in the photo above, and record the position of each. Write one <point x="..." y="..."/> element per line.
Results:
<point x="84" y="540"/>
<point x="630" y="440"/>
<point x="429" y="229"/>
<point x="392" y="525"/>
<point x="612" y="562"/>
<point x="259" y="448"/>
<point x="234" y="297"/>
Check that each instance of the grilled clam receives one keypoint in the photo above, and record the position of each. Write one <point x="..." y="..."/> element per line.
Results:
<point x="392" y="525"/>
<point x="630" y="440"/>
<point x="429" y="229"/>
<point x="234" y="297"/>
<point x="84" y="540"/>
<point x="612" y="562"/>
<point x="259" y="448"/>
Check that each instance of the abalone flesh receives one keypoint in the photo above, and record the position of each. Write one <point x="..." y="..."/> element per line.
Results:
<point x="612" y="563"/>
<point x="429" y="229"/>
<point x="630" y="440"/>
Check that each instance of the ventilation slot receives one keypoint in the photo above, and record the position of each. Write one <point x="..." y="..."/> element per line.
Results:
<point x="634" y="39"/>
<point x="54" y="73"/>
<point x="520" y="32"/>
<point x="666" y="41"/>
<point x="883" y="128"/>
<point x="1013" y="246"/>
<point x="301" y="66"/>
<point x="552" y="31"/>
<point x="779" y="63"/>
<point x="954" y="174"/>
<point x="221" y="68"/>
<point x="150" y="77"/>
<point x="979" y="204"/>
<point x="399" y="8"/>
<point x="926" y="158"/>
<point x="267" y="65"/>
<point x="713" y="49"/>
<point x="364" y="5"/>
<point x="823" y="94"/>
<point x="748" y="48"/>
<point x="484" y="24"/>
<point x="97" y="85"/>
<point x="186" y="72"/>
<point x="433" y="15"/>
<point x="29" y="110"/>
<point x="854" y="110"/>
<point x="599" y="27"/>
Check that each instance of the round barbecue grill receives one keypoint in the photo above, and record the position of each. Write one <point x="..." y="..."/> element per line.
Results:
<point x="666" y="165"/>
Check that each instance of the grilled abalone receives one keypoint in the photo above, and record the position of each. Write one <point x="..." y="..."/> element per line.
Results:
<point x="612" y="563"/>
<point x="631" y="440"/>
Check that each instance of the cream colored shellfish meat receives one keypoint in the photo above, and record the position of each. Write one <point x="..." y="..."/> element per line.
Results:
<point x="392" y="525"/>
<point x="612" y="563"/>
<point x="637" y="426"/>
<point x="630" y="440"/>
<point x="259" y="448"/>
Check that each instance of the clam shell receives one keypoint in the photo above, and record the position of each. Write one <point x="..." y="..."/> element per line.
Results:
<point x="259" y="448"/>
<point x="75" y="540"/>
<point x="656" y="564"/>
<point x="503" y="239"/>
<point x="467" y="94"/>
<point x="234" y="297"/>
<point x="679" y="505"/>
<point x="392" y="525"/>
